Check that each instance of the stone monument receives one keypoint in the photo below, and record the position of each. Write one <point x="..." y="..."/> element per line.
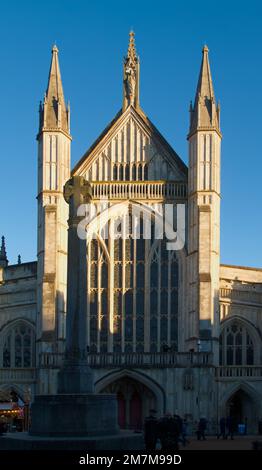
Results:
<point x="76" y="410"/>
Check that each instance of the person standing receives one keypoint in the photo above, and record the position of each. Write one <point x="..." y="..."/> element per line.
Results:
<point x="202" y="425"/>
<point x="230" y="427"/>
<point x="184" y="432"/>
<point x="222" y="425"/>
<point x="169" y="433"/>
<point x="151" y="430"/>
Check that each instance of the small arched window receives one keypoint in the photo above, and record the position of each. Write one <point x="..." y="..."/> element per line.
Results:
<point x="127" y="175"/>
<point x="19" y="346"/>
<point x="114" y="172"/>
<point x="140" y="173"/>
<point x="134" y="172"/>
<point x="236" y="345"/>
<point x="121" y="173"/>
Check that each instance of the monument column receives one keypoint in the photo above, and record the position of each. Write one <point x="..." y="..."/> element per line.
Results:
<point x="76" y="410"/>
<point x="75" y="375"/>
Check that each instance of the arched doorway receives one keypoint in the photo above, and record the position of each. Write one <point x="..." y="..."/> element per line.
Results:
<point x="134" y="401"/>
<point x="241" y="407"/>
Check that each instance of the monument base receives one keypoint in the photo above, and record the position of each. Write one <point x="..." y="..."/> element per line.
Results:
<point x="74" y="415"/>
<point x="21" y="441"/>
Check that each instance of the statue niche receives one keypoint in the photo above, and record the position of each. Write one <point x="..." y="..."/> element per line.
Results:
<point x="130" y="83"/>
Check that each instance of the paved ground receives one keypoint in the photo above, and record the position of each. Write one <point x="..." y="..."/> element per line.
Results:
<point x="212" y="443"/>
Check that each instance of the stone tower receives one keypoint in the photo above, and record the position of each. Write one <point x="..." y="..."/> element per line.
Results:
<point x="54" y="142"/>
<point x="204" y="215"/>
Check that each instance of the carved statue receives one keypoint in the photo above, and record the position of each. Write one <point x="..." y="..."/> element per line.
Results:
<point x="131" y="74"/>
<point x="130" y="83"/>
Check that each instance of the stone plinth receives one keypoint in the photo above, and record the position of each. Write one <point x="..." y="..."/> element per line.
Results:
<point x="124" y="441"/>
<point x="74" y="415"/>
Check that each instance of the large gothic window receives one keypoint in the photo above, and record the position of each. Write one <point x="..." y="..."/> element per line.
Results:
<point x="236" y="345"/>
<point x="133" y="290"/>
<point x="19" y="346"/>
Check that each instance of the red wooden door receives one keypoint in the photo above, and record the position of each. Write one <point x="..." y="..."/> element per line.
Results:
<point x="121" y="411"/>
<point x="135" y="418"/>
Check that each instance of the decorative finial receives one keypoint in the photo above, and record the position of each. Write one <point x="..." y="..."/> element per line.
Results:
<point x="205" y="49"/>
<point x="3" y="250"/>
<point x="19" y="259"/>
<point x="54" y="48"/>
<point x="131" y="47"/>
<point x="3" y="256"/>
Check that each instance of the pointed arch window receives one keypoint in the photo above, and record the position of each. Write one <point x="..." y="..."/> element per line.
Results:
<point x="115" y="172"/>
<point x="127" y="173"/>
<point x="134" y="172"/>
<point x="236" y="345"/>
<point x="140" y="172"/>
<point x="19" y="346"/>
<point x="121" y="173"/>
<point x="133" y="292"/>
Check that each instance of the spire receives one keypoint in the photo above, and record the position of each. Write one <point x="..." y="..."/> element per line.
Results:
<point x="19" y="259"/>
<point x="204" y="114"/>
<point x="3" y="256"/>
<point x="53" y="111"/>
<point x="131" y="75"/>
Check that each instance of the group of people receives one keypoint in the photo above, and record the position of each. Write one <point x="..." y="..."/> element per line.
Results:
<point x="227" y="427"/>
<point x="169" y="430"/>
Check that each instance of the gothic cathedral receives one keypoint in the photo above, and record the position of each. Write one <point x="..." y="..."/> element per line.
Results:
<point x="170" y="329"/>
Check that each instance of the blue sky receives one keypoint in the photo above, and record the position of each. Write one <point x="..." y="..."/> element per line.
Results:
<point x="92" y="38"/>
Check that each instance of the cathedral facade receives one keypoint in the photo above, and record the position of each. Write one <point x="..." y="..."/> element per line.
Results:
<point x="169" y="327"/>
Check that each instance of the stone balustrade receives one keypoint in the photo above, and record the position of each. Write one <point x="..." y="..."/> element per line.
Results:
<point x="157" y="360"/>
<point x="228" y="372"/>
<point x="152" y="190"/>
<point x="144" y="360"/>
<point x="241" y="295"/>
<point x="21" y="375"/>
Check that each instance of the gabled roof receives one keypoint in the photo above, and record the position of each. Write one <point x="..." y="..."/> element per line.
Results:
<point x="115" y="124"/>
